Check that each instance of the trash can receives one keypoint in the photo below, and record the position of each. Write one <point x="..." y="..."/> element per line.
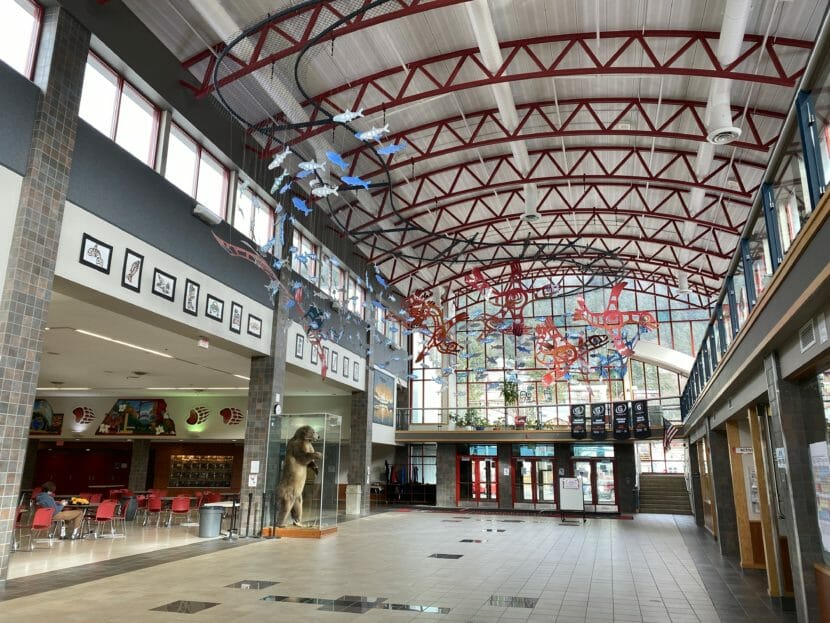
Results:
<point x="210" y="520"/>
<point x="132" y="506"/>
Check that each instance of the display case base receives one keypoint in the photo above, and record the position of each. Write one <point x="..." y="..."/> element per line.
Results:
<point x="305" y="533"/>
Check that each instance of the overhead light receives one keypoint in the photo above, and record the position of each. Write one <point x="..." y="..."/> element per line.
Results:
<point x="121" y="343"/>
<point x="244" y="378"/>
<point x="64" y="389"/>
<point x="206" y="215"/>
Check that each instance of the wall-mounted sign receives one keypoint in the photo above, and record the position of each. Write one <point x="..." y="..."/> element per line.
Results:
<point x="742" y="450"/>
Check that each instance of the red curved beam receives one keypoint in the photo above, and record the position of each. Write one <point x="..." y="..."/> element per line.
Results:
<point x="568" y="62"/>
<point x="427" y="141"/>
<point x="315" y="19"/>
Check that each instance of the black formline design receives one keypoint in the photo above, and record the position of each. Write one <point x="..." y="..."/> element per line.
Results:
<point x="215" y="308"/>
<point x="190" y="304"/>
<point x="235" y="317"/>
<point x="164" y="285"/>
<point x="131" y="272"/>
<point x="96" y="254"/>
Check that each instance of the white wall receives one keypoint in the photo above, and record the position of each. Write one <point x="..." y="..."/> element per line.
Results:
<point x="77" y="222"/>
<point x="341" y="374"/>
<point x="10" y="184"/>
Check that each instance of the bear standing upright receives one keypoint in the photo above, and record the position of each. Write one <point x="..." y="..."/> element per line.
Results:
<point x="299" y="455"/>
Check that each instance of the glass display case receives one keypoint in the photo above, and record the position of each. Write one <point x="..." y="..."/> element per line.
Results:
<point x="319" y="490"/>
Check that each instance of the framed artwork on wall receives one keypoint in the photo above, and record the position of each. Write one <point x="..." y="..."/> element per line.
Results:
<point x="191" y="298"/>
<point x="236" y="318"/>
<point x="383" y="399"/>
<point x="314" y="357"/>
<point x="215" y="308"/>
<point x="334" y="362"/>
<point x="326" y="355"/>
<point x="164" y="285"/>
<point x="355" y="372"/>
<point x="299" y="346"/>
<point x="254" y="325"/>
<point x="131" y="273"/>
<point x="96" y="254"/>
<point x="346" y="367"/>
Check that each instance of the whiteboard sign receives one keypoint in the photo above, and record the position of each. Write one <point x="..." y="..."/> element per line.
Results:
<point x="570" y="494"/>
<point x="743" y="450"/>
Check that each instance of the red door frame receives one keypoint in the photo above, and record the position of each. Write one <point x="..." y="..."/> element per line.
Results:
<point x="535" y="484"/>
<point x="593" y="460"/>
<point x="474" y="460"/>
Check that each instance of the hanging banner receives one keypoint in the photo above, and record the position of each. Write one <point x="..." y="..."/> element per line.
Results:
<point x="622" y="429"/>
<point x="642" y="428"/>
<point x="598" y="432"/>
<point x="578" y="430"/>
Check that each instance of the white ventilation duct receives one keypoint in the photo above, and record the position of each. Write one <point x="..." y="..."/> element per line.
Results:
<point x="531" y="201"/>
<point x="719" y="107"/>
<point x="683" y="283"/>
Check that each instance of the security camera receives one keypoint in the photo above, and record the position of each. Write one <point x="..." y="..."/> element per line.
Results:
<point x="205" y="215"/>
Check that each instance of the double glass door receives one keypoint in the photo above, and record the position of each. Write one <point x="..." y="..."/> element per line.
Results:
<point x="534" y="483"/>
<point x="599" y="484"/>
<point x="478" y="481"/>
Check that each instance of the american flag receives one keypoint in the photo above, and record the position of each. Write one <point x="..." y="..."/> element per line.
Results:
<point x="669" y="433"/>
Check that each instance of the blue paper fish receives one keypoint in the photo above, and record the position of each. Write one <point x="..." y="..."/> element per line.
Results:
<point x="352" y="180"/>
<point x="301" y="205"/>
<point x="391" y="149"/>
<point x="337" y="160"/>
<point x="285" y="188"/>
<point x="381" y="280"/>
<point x="268" y="246"/>
<point x="278" y="264"/>
<point x="304" y="174"/>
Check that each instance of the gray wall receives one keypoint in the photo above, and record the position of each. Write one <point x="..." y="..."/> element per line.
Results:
<point x="19" y="100"/>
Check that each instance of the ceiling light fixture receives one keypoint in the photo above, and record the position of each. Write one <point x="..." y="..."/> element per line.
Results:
<point x="121" y="343"/>
<point x="244" y="378"/>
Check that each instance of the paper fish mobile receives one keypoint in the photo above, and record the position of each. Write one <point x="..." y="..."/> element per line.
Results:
<point x="373" y="134"/>
<point x="279" y="159"/>
<point x="347" y="115"/>
<point x="301" y="205"/>
<point x="354" y="181"/>
<point x="337" y="160"/>
<point x="324" y="191"/>
<point x="388" y="150"/>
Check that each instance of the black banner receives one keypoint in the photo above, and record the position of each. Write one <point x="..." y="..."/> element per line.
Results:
<point x="622" y="428"/>
<point x="642" y="428"/>
<point x="598" y="431"/>
<point x="578" y="430"/>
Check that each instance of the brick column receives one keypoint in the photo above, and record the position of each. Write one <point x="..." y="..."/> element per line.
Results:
<point x="139" y="462"/>
<point x="360" y="442"/>
<point x="797" y="420"/>
<point x="626" y="467"/>
<point x="505" y="481"/>
<point x="27" y="284"/>
<point x="724" y="497"/>
<point x="267" y="380"/>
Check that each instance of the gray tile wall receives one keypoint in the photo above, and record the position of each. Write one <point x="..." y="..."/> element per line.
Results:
<point x="445" y="460"/>
<point x="360" y="443"/>
<point x="724" y="496"/>
<point x="27" y="284"/>
<point x="139" y="463"/>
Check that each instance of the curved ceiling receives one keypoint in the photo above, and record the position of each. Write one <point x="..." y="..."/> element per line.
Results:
<point x="591" y="116"/>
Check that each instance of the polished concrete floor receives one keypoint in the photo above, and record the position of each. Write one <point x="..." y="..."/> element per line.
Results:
<point x="397" y="566"/>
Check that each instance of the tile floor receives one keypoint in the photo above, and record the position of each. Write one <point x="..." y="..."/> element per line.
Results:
<point x="379" y="568"/>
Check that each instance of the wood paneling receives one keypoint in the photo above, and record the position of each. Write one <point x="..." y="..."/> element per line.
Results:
<point x="736" y="468"/>
<point x="164" y="451"/>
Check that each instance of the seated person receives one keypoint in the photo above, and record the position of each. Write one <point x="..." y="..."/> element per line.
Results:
<point x="46" y="499"/>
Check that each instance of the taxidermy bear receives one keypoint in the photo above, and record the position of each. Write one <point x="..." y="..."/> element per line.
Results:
<point x="299" y="456"/>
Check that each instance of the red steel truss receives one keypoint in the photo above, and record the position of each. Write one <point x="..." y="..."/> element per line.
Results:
<point x="278" y="35"/>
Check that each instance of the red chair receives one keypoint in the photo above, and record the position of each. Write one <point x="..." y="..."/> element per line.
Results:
<point x="120" y="518"/>
<point x="212" y="498"/>
<point x="18" y="527"/>
<point x="153" y="508"/>
<point x="104" y="516"/>
<point x="41" y="523"/>
<point x="180" y="507"/>
<point x="95" y="498"/>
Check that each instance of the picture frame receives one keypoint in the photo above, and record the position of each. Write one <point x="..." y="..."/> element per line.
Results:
<point x="334" y="362"/>
<point x="96" y="254"/>
<point x="254" y="325"/>
<point x="190" y="305"/>
<point x="326" y="359"/>
<point x="355" y="371"/>
<point x="314" y="356"/>
<point x="164" y="285"/>
<point x="345" y="366"/>
<point x="131" y="272"/>
<point x="214" y="308"/>
<point x="299" y="346"/>
<point x="383" y="399"/>
<point x="236" y="317"/>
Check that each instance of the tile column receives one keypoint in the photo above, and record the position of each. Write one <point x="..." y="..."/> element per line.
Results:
<point x="505" y="480"/>
<point x="139" y="462"/>
<point x="446" y="475"/>
<point x="697" y="494"/>
<point x="797" y="420"/>
<point x="27" y="284"/>
<point x="626" y="476"/>
<point x="724" y="498"/>
<point x="360" y="442"/>
<point x="267" y="380"/>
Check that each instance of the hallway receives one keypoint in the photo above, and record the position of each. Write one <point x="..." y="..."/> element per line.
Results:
<point x="419" y="566"/>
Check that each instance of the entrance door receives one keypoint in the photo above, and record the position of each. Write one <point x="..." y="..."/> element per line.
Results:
<point x="534" y="483"/>
<point x="477" y="478"/>
<point x="599" y="484"/>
